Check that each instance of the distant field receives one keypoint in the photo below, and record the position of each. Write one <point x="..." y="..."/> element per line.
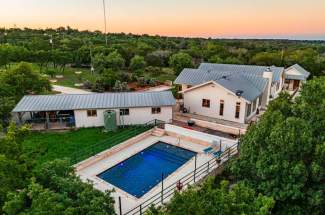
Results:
<point x="70" y="78"/>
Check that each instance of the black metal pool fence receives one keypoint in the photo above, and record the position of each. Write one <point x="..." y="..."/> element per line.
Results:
<point x="104" y="144"/>
<point x="192" y="177"/>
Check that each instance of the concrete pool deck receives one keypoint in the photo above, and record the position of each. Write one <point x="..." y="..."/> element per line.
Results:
<point x="90" y="172"/>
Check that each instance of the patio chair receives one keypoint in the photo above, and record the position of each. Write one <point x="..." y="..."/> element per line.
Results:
<point x="217" y="154"/>
<point x="208" y="150"/>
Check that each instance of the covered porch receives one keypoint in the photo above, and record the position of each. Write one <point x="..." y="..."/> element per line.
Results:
<point x="47" y="120"/>
<point x="292" y="84"/>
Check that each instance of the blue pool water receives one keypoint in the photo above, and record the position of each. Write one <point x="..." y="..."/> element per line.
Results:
<point x="143" y="171"/>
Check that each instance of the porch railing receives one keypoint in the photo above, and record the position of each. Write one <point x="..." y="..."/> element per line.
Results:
<point x="51" y="123"/>
<point x="94" y="149"/>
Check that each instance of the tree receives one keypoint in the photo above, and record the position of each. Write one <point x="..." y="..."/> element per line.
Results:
<point x="137" y="63"/>
<point x="108" y="78"/>
<point x="7" y="101"/>
<point x="222" y="199"/>
<point x="114" y="61"/>
<point x="267" y="59"/>
<point x="56" y="189"/>
<point x="215" y="59"/>
<point x="13" y="167"/>
<point x="23" y="80"/>
<point x="283" y="155"/>
<point x="158" y="58"/>
<point x="180" y="61"/>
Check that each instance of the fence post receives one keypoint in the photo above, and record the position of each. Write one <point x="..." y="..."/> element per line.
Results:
<point x="195" y="167"/>
<point x="120" y="204"/>
<point x="141" y="209"/>
<point x="162" y="188"/>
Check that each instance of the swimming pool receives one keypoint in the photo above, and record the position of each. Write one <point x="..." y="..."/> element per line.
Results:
<point x="143" y="171"/>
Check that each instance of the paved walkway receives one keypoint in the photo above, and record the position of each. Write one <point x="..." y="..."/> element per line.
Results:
<point x="158" y="88"/>
<point x="69" y="90"/>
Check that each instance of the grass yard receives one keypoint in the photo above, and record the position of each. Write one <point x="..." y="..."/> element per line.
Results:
<point x="48" y="146"/>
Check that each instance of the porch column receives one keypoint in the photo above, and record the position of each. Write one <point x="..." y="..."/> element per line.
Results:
<point x="19" y="118"/>
<point x="47" y="122"/>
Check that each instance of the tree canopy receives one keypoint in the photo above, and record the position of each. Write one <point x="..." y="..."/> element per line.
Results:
<point x="17" y="82"/>
<point x="56" y="189"/>
<point x="180" y="61"/>
<point x="283" y="155"/>
<point x="217" y="199"/>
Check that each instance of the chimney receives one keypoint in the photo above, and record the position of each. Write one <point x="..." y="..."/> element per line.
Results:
<point x="268" y="74"/>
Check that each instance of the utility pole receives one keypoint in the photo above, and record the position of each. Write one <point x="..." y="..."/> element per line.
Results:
<point x="105" y="21"/>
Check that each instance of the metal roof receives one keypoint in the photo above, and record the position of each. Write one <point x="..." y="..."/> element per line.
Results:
<point x="304" y="73"/>
<point x="94" y="101"/>
<point x="252" y="85"/>
<point x="239" y="83"/>
<point x="251" y="69"/>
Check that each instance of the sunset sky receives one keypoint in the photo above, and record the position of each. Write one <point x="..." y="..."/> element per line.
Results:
<point x="294" y="19"/>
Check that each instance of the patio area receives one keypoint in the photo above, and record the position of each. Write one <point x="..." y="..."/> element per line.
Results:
<point x="213" y="125"/>
<point x="52" y="120"/>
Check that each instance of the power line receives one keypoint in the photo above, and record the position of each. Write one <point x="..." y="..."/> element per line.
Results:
<point x="105" y="21"/>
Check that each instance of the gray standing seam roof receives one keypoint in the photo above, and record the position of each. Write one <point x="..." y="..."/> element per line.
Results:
<point x="304" y="73"/>
<point x="94" y="101"/>
<point x="252" y="85"/>
<point x="251" y="69"/>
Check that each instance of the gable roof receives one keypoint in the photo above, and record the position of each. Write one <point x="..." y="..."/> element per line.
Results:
<point x="251" y="69"/>
<point x="237" y="84"/>
<point x="251" y="84"/>
<point x="94" y="101"/>
<point x="304" y="74"/>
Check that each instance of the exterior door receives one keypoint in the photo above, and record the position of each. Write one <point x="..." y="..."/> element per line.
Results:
<point x="296" y="84"/>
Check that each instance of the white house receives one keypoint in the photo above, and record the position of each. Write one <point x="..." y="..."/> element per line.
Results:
<point x="295" y="76"/>
<point x="229" y="92"/>
<point x="87" y="110"/>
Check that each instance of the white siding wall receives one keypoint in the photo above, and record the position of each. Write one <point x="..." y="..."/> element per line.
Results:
<point x="137" y="116"/>
<point x="193" y="102"/>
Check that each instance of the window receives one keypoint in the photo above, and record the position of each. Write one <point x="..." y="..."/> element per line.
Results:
<point x="254" y="105"/>
<point x="156" y="110"/>
<point x="124" y="112"/>
<point x="91" y="113"/>
<point x="206" y="103"/>
<point x="222" y="107"/>
<point x="260" y="100"/>
<point x="237" y="110"/>
<point x="249" y="110"/>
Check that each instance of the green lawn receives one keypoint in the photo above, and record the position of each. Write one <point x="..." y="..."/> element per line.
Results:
<point x="70" y="78"/>
<point x="85" y="142"/>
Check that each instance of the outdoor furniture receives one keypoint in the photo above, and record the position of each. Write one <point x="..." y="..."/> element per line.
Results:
<point x="207" y="150"/>
<point x="190" y="123"/>
<point x="217" y="154"/>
